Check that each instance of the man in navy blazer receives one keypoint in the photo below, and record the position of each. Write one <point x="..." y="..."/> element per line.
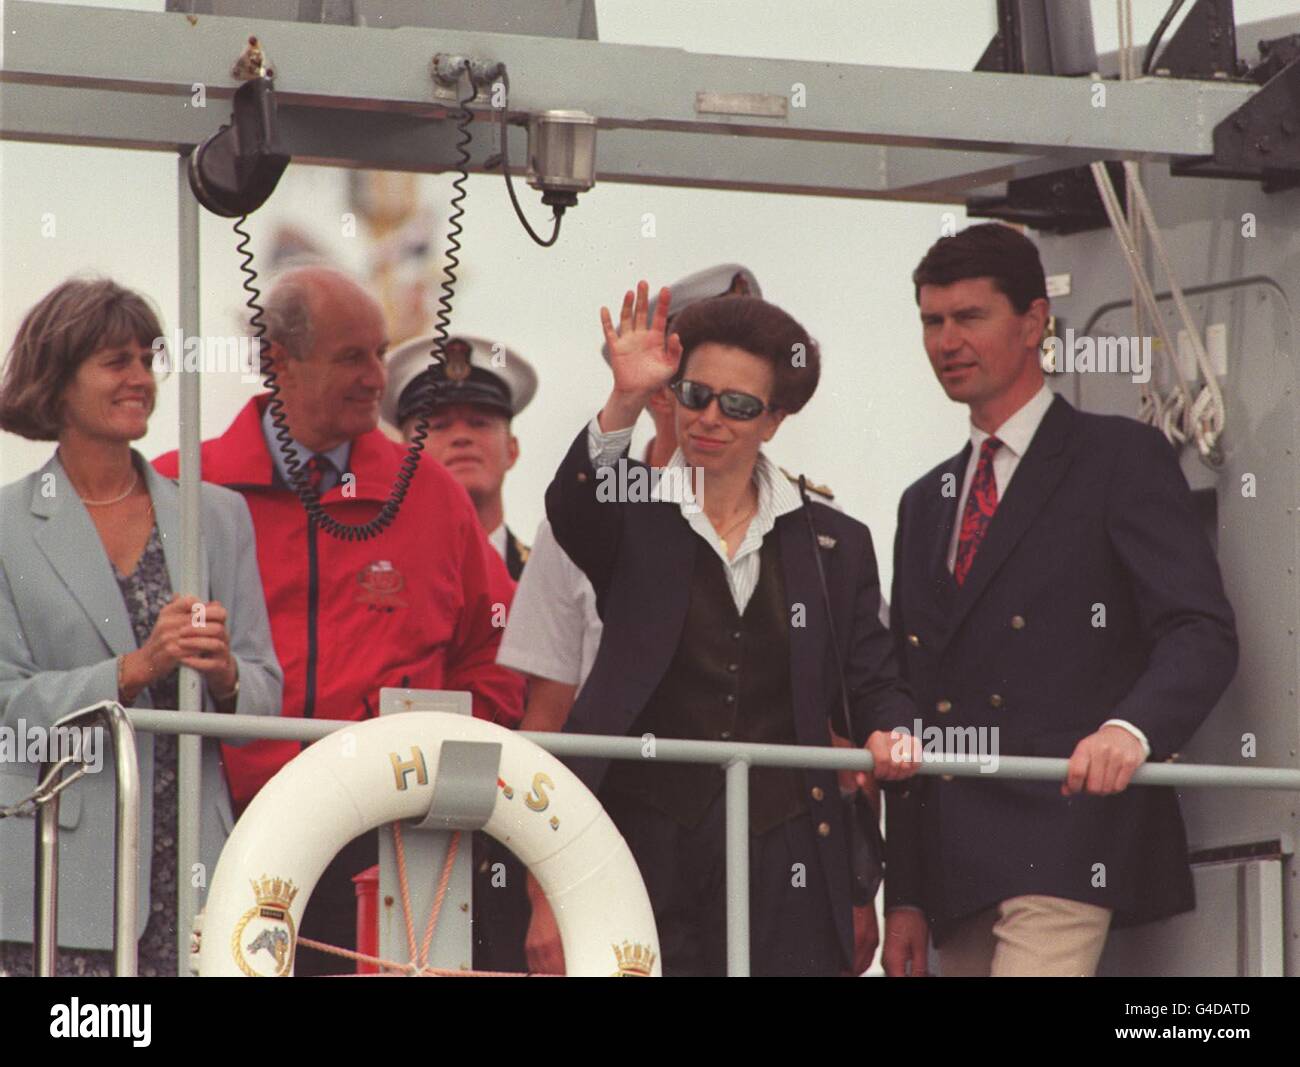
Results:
<point x="1076" y="608"/>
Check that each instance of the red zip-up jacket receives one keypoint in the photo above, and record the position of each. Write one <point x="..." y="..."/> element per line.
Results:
<point x="422" y="605"/>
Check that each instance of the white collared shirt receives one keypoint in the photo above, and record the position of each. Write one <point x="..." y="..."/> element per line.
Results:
<point x="497" y="539"/>
<point x="339" y="455"/>
<point x="554" y="628"/>
<point x="1015" y="434"/>
<point x="776" y="497"/>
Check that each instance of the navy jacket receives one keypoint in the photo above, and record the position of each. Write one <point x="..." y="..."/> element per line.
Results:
<point x="639" y="557"/>
<point x="1095" y="595"/>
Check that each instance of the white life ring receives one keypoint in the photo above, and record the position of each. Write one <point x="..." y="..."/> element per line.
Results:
<point x="351" y="782"/>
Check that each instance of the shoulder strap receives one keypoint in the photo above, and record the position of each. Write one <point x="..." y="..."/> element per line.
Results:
<point x="826" y="602"/>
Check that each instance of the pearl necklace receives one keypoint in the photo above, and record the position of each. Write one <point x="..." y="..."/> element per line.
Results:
<point x="135" y="480"/>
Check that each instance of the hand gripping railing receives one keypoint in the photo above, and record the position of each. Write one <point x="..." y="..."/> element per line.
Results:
<point x="126" y="842"/>
<point x="737" y="758"/>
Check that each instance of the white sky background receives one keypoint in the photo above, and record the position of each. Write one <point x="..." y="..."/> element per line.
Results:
<point x="879" y="418"/>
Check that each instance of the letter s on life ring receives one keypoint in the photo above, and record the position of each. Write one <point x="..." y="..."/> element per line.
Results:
<point x="337" y="789"/>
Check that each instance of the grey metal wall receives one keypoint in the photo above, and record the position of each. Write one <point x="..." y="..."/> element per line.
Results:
<point x="1249" y="285"/>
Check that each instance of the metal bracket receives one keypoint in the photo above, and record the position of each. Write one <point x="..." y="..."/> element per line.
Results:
<point x="427" y="841"/>
<point x="1041" y="37"/>
<point x="1260" y="140"/>
<point x="448" y="71"/>
<point x="465" y="788"/>
<point x="1204" y="45"/>
<point x="1275" y="54"/>
<point x="1064" y="201"/>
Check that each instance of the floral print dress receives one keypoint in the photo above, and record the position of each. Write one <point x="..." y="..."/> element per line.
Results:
<point x="146" y="591"/>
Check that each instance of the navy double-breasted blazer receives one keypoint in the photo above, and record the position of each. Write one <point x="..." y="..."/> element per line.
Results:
<point x="1094" y="595"/>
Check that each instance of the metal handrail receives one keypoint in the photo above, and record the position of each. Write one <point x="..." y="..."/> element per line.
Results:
<point x="720" y="753"/>
<point x="735" y="757"/>
<point x="126" y="847"/>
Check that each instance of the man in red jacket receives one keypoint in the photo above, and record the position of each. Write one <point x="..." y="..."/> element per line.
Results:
<point x="422" y="605"/>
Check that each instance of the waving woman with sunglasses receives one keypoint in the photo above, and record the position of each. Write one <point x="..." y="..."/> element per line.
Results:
<point x="730" y="608"/>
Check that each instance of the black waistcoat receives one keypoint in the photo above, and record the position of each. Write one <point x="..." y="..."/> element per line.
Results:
<point x="728" y="680"/>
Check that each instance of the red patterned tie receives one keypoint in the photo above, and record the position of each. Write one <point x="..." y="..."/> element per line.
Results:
<point x="317" y="467"/>
<point x="981" y="502"/>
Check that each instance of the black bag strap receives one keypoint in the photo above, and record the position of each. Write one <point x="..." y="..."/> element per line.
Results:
<point x="866" y="854"/>
<point x="826" y="602"/>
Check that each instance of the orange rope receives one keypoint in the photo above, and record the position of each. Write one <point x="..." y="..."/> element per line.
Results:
<point x="419" y="965"/>
<point x="406" y="968"/>
<point x="361" y="957"/>
<point x="406" y="891"/>
<point x="453" y="846"/>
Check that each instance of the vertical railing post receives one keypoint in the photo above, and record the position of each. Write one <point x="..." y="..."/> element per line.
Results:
<point x="45" y="932"/>
<point x="189" y="748"/>
<point x="126" y="841"/>
<point x="737" y="820"/>
<point x="126" y="847"/>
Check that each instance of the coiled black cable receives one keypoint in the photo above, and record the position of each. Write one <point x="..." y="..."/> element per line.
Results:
<point x="344" y="531"/>
<point x="500" y="72"/>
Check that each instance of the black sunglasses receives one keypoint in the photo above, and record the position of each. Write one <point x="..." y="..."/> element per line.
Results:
<point x="734" y="405"/>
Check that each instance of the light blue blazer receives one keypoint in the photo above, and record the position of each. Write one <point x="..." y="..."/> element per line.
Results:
<point x="63" y="624"/>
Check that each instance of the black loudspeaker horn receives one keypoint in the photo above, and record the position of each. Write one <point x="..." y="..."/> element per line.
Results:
<point x="235" y="170"/>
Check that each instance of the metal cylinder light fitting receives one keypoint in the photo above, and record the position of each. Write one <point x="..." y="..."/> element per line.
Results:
<point x="561" y="155"/>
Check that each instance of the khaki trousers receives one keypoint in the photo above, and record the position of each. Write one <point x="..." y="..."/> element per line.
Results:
<point x="1030" y="936"/>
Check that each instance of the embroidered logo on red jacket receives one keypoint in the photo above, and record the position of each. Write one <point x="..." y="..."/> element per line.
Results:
<point x="381" y="583"/>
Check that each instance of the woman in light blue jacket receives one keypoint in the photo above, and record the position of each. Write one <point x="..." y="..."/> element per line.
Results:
<point x="89" y="562"/>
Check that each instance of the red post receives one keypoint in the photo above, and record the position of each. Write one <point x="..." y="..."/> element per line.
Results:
<point x="367" y="889"/>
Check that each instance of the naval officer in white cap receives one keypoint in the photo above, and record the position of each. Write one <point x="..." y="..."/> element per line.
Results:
<point x="471" y="399"/>
<point x="482" y="385"/>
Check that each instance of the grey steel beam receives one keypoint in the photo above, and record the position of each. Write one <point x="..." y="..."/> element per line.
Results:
<point x="543" y="18"/>
<point x="108" y="118"/>
<point x="624" y="86"/>
<point x="937" y="175"/>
